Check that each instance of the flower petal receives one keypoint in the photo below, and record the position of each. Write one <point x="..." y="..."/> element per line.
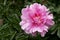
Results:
<point x="25" y="26"/>
<point x="50" y="22"/>
<point x="50" y="16"/>
<point x="43" y="33"/>
<point x="22" y="23"/>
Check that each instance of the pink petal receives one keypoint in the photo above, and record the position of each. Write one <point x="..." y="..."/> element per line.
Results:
<point x="50" y="22"/>
<point x="25" y="10"/>
<point x="43" y="34"/>
<point x="25" y="26"/>
<point x="22" y="23"/>
<point x="35" y="7"/>
<point x="50" y="16"/>
<point x="44" y="28"/>
<point x="37" y="29"/>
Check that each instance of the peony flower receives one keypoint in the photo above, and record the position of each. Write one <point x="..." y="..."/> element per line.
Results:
<point x="36" y="18"/>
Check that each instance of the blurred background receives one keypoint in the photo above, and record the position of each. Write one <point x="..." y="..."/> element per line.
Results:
<point x="10" y="11"/>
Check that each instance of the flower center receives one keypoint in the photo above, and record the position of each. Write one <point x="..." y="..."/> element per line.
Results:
<point x="37" y="19"/>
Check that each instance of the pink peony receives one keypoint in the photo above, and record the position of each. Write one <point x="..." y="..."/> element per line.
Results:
<point x="36" y="18"/>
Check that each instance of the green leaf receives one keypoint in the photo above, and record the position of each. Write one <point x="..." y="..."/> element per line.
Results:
<point x="54" y="29"/>
<point x="5" y="2"/>
<point x="13" y="35"/>
<point x="39" y="1"/>
<point x="21" y="36"/>
<point x="58" y="32"/>
<point x="4" y="26"/>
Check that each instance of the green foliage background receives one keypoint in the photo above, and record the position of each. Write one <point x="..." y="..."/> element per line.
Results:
<point x="10" y="11"/>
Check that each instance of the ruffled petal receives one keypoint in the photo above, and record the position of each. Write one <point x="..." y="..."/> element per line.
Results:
<point x="25" y="26"/>
<point x="43" y="33"/>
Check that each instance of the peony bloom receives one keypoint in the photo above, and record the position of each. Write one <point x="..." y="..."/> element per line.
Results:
<point x="36" y="18"/>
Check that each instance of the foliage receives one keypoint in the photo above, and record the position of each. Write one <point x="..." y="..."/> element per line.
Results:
<point x="10" y="11"/>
